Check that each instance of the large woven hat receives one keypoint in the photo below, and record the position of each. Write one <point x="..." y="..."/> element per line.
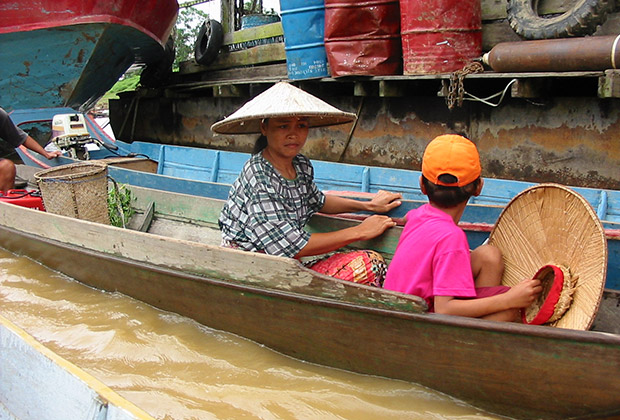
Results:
<point x="551" y="233"/>
<point x="281" y="100"/>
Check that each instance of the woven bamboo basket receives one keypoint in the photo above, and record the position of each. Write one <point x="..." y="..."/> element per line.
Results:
<point x="78" y="190"/>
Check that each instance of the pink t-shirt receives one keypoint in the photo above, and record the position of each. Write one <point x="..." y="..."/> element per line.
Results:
<point x="432" y="258"/>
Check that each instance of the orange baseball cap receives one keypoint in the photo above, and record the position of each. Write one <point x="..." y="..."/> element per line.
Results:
<point x="451" y="154"/>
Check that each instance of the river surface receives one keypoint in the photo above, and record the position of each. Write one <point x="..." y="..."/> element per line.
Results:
<point x="175" y="368"/>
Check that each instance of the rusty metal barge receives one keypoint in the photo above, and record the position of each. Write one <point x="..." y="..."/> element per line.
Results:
<point x="536" y="126"/>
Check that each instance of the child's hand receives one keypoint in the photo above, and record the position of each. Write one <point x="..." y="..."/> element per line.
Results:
<point x="384" y="201"/>
<point x="525" y="293"/>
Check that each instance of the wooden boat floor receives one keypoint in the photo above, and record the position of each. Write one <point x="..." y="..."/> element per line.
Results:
<point x="205" y="234"/>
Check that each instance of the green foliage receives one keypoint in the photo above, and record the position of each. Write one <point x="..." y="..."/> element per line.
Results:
<point x="127" y="82"/>
<point x="253" y="7"/>
<point x="186" y="31"/>
<point x="119" y="205"/>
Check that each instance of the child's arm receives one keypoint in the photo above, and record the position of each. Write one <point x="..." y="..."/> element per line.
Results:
<point x="499" y="307"/>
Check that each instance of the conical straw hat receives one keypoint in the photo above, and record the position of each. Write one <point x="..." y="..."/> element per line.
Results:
<point x="281" y="100"/>
<point x="550" y="224"/>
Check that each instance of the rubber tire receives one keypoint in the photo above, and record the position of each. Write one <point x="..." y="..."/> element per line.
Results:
<point x="208" y="42"/>
<point x="582" y="19"/>
<point x="157" y="73"/>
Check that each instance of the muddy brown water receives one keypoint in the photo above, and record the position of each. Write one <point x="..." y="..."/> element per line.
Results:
<point x="175" y="368"/>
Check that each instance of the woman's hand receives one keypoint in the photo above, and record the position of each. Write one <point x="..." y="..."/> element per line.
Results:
<point x="370" y="228"/>
<point x="384" y="201"/>
<point x="374" y="226"/>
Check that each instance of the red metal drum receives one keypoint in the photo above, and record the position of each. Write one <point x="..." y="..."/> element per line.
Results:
<point x="363" y="37"/>
<point x="440" y="36"/>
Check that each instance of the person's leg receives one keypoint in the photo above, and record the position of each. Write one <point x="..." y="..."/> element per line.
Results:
<point x="487" y="266"/>
<point x="7" y="175"/>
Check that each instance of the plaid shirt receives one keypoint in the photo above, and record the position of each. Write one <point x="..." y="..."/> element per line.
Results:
<point x="267" y="212"/>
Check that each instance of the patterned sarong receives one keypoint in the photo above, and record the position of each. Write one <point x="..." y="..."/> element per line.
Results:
<point x="365" y="267"/>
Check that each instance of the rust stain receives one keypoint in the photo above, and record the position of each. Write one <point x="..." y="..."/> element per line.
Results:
<point x="541" y="154"/>
<point x="191" y="123"/>
<point x="27" y="65"/>
<point x="66" y="90"/>
<point x="89" y="37"/>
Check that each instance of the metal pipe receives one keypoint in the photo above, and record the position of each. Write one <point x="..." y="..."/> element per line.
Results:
<point x="574" y="54"/>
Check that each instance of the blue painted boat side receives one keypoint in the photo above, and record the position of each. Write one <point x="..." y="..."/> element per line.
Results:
<point x="71" y="65"/>
<point x="169" y="183"/>
<point x="224" y="167"/>
<point x="192" y="163"/>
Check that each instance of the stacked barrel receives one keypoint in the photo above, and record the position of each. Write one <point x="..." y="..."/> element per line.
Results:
<point x="303" y="22"/>
<point x="363" y="37"/>
<point x="379" y="37"/>
<point x="440" y="35"/>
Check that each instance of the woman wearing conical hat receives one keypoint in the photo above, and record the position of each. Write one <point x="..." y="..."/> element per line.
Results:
<point x="275" y="194"/>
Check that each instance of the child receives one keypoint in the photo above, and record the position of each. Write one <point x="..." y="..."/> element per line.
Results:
<point x="433" y="259"/>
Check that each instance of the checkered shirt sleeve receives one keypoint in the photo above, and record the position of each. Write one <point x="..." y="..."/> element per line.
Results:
<point x="266" y="212"/>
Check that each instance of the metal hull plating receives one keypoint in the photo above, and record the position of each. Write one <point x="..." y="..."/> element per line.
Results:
<point x="69" y="53"/>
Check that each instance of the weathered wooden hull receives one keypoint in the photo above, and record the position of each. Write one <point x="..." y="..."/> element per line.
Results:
<point x="70" y="52"/>
<point x="36" y="383"/>
<point x="515" y="370"/>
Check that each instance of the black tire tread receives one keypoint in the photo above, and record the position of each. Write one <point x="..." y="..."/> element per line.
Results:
<point x="582" y="19"/>
<point x="208" y="42"/>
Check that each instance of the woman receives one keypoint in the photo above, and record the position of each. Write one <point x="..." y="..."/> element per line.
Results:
<point x="275" y="194"/>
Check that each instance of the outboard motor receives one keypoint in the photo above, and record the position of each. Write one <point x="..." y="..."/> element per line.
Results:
<point x="70" y="135"/>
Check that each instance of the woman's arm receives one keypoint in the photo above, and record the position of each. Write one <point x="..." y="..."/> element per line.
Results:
<point x="321" y="243"/>
<point x="382" y="202"/>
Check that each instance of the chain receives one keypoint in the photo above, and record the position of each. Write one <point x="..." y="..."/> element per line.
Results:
<point x="456" y="89"/>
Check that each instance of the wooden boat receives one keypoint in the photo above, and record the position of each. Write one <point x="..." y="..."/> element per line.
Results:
<point x="209" y="173"/>
<point x="515" y="370"/>
<point x="69" y="53"/>
<point x="37" y="383"/>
